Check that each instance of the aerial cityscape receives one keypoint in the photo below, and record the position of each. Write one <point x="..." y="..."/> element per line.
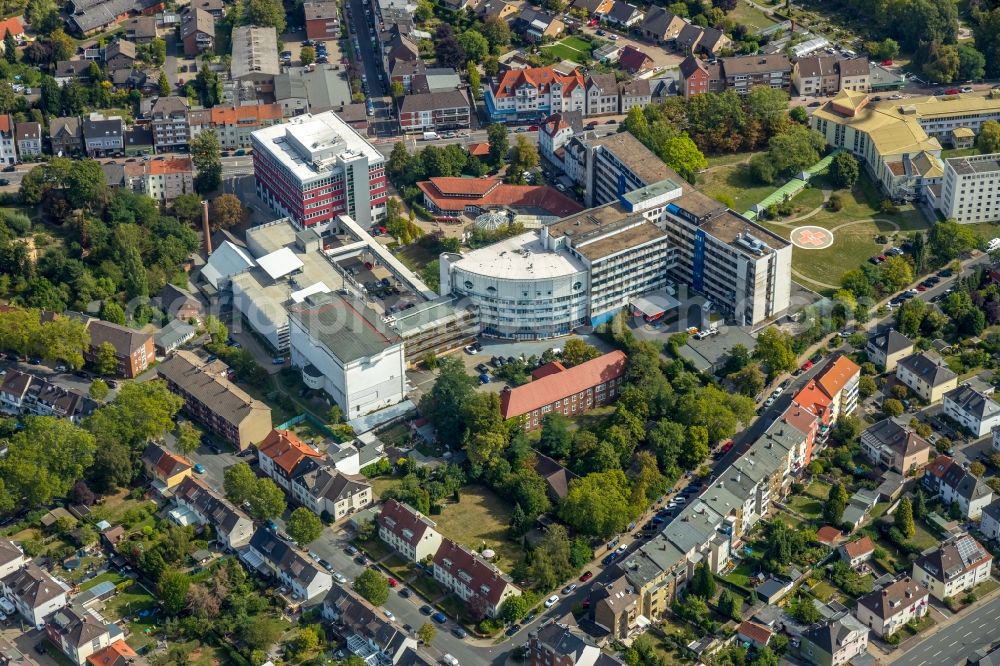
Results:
<point x="499" y="332"/>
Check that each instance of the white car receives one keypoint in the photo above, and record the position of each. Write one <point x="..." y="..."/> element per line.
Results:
<point x="622" y="547"/>
<point x="778" y="391"/>
<point x="552" y="601"/>
<point x="993" y="245"/>
<point x="339" y="577"/>
<point x="388" y="614"/>
<point x="469" y="349"/>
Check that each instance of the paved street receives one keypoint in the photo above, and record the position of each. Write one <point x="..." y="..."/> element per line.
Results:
<point x="953" y="644"/>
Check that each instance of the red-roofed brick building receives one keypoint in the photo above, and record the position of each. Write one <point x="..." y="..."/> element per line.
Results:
<point x="280" y="452"/>
<point x="479" y="149"/>
<point x="832" y="392"/>
<point x="828" y="535"/>
<point x="165" y="467"/>
<point x="756" y="635"/>
<point x="570" y="392"/>
<point x="802" y="419"/>
<point x="409" y="532"/>
<point x="469" y="576"/>
<point x="448" y="198"/>
<point x="634" y="61"/>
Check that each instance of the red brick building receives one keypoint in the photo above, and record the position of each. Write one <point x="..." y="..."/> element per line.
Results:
<point x="569" y="391"/>
<point x="321" y="20"/>
<point x="133" y="349"/>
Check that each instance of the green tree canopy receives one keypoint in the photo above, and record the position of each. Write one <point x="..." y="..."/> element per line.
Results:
<point x="373" y="586"/>
<point x="304" y="526"/>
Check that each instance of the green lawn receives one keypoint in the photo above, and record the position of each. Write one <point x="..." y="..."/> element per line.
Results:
<point x="480" y="520"/>
<point x="750" y="16"/>
<point x="726" y="159"/>
<point x="565" y="52"/>
<point x="923" y="538"/>
<point x="807" y="506"/>
<point x="112" y="576"/>
<point x="733" y="181"/>
<point x="824" y="591"/>
<point x="129" y="604"/>
<point x="958" y="152"/>
<point x="577" y="43"/>
<point x="740" y="575"/>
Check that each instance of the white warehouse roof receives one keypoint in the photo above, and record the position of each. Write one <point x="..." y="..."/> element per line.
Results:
<point x="280" y="263"/>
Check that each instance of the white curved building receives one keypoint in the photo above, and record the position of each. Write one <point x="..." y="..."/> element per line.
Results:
<point x="521" y="289"/>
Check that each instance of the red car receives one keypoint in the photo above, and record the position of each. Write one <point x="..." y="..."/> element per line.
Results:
<point x="952" y="91"/>
<point x="593" y="22"/>
<point x="886" y="63"/>
<point x="532" y="128"/>
<point x="921" y="287"/>
<point x="392" y="582"/>
<point x="807" y="365"/>
<point x="587" y="575"/>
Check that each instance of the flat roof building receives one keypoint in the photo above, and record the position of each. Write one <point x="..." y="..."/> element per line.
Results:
<point x="970" y="192"/>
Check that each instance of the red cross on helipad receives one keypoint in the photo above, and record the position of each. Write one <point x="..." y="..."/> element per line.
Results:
<point x="812" y="237"/>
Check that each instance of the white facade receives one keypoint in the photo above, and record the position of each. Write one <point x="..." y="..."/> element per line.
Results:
<point x="35" y="605"/>
<point x="268" y="317"/>
<point x="971" y="189"/>
<point x="897" y="603"/>
<point x="941" y="589"/>
<point x="8" y="149"/>
<point x="972" y="409"/>
<point x="359" y="385"/>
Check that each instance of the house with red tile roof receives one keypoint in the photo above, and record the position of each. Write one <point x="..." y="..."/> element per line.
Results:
<point x="471" y="578"/>
<point x="165" y="467"/>
<point x="839" y="380"/>
<point x="534" y="93"/>
<point x="857" y="552"/>
<point x="804" y="420"/>
<point x="448" y="197"/>
<point x="828" y="535"/>
<point x="754" y="634"/>
<point x="570" y="392"/>
<point x="118" y="653"/>
<point x="166" y="179"/>
<point x="280" y="452"/>
<point x="410" y="533"/>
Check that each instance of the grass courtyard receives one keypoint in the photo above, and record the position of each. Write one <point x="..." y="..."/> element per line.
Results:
<point x="570" y="48"/>
<point x="750" y="16"/>
<point x="480" y="519"/>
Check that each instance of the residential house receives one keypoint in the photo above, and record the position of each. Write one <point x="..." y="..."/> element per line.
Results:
<point x="119" y="653"/>
<point x="166" y="179"/>
<point x="8" y="144"/>
<point x="28" y="136"/>
<point x="78" y="632"/>
<point x="634" y="61"/>
<point x="742" y="73"/>
<point x="535" y="25"/>
<point x="103" y="136"/>
<point x="22" y="393"/>
<point x="65" y="135"/>
<point x="990" y="524"/>
<point x="405" y="71"/>
<point x="472" y="578"/>
<point x="957" y="565"/>
<point x="615" y="607"/>
<point x="894" y="446"/>
<point x="197" y="31"/>
<point x="634" y="93"/>
<point x="694" y="77"/>
<point x="661" y="26"/>
<point x="556" y="476"/>
<point x="755" y="635"/>
<point x="323" y="489"/>
<point x="834" y="641"/>
<point x="559" y="644"/>
<point x="828" y="75"/>
<point x="172" y="336"/>
<point x="216" y="8"/>
<point x="35" y="594"/>
<point x="502" y="10"/>
<point x="234" y="124"/>
<point x="442" y="110"/>
<point x="210" y="397"/>
<point x="408" y="532"/>
<point x="280" y="453"/>
<point x="322" y="19"/>
<point x="11" y="557"/>
<point x="956" y="485"/>
<point x="855" y="74"/>
<point x="168" y="120"/>
<point x="711" y="42"/>
<point x="179" y="303"/>
<point x="553" y="134"/>
<point x="973" y="409"/>
<point x="602" y="95"/>
<point x="594" y="7"/>
<point x="533" y="93"/>
<point x="365" y="630"/>
<point x="833" y="392"/>
<point x="885" y="349"/>
<point x="72" y="71"/>
<point x="140" y="29"/>
<point x="623" y="14"/>
<point x="857" y="552"/>
<point x="687" y="38"/>
<point x="133" y="349"/>
<point x="197" y="504"/>
<point x="164" y="467"/>
<point x="304" y="578"/>
<point x="120" y="54"/>
<point x="89" y="17"/>
<point x="926" y="374"/>
<point x="13" y="26"/>
<point x="885" y="611"/>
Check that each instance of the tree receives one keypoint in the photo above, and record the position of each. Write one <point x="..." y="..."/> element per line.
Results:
<point x="427" y="632"/>
<point x="373" y="586"/>
<point x="10" y="48"/>
<point x="226" y="212"/>
<point x="476" y="46"/>
<point x="268" y="13"/>
<point x="903" y="519"/>
<point x="499" y="144"/>
<point x="82" y="494"/>
<point x="444" y="405"/>
<point x="556" y="437"/>
<point x="304" y="526"/>
<point x="598" y="503"/>
<point x="172" y="590"/>
<point x="307" y="55"/>
<point x="844" y="170"/>
<point x="866" y="387"/>
<point x="112" y="312"/>
<point x="107" y="359"/>
<point x="682" y="155"/>
<point x="447" y="48"/>
<point x="920" y="505"/>
<point x="949" y="239"/>
<point x="187" y="208"/>
<point x="188" y="438"/>
<point x="943" y="64"/>
<point x="989" y="135"/>
<point x="896" y="273"/>
<point x="892" y="407"/>
<point x="703" y="582"/>
<point x="976" y="469"/>
<point x="788" y="153"/>
<point x="749" y="380"/>
<point x="497" y="33"/>
<point x="725" y="5"/>
<point x="239" y="483"/>
<point x="99" y="389"/>
<point x="44" y="460"/>
<point x="472" y="73"/>
<point x="971" y="63"/>
<point x="164" y="85"/>
<point x="575" y="351"/>
<point x="774" y="350"/>
<point x="207" y="157"/>
<point x="799" y="115"/>
<point x="267" y="500"/>
<point x="524" y="157"/>
<point x="833" y="510"/>
<point x="514" y="608"/>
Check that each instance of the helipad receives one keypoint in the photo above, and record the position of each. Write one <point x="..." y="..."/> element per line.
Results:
<point x="811" y="238"/>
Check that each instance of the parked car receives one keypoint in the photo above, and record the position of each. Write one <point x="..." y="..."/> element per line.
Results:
<point x="512" y="629"/>
<point x="426" y="609"/>
<point x="459" y="632"/>
<point x="439" y="617"/>
<point x="587" y="575"/>
<point x="569" y="589"/>
<point x="552" y="601"/>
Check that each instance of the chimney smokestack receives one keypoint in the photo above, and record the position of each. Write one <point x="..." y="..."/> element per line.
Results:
<point x="205" y="228"/>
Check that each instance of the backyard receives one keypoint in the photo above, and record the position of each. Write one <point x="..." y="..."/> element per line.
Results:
<point x="750" y="16"/>
<point x="570" y="48"/>
<point x="480" y="520"/>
